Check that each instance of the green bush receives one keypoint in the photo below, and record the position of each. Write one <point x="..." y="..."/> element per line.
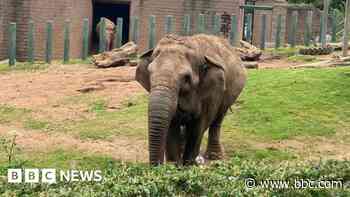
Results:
<point x="218" y="179"/>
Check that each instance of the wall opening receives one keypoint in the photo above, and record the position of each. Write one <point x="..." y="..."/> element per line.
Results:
<point x="112" y="11"/>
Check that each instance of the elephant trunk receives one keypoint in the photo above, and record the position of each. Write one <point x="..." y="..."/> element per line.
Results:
<point x="160" y="111"/>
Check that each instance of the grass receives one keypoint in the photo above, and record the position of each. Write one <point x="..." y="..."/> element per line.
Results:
<point x="218" y="179"/>
<point x="23" y="67"/>
<point x="279" y="104"/>
<point x="10" y="114"/>
<point x="34" y="124"/>
<point x="98" y="106"/>
<point x="38" y="65"/>
<point x="276" y="105"/>
<point x="284" y="51"/>
<point x="302" y="58"/>
<point x="129" y="121"/>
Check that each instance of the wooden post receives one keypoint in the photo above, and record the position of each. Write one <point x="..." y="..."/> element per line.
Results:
<point x="201" y="24"/>
<point x="30" y="49"/>
<point x="134" y="29"/>
<point x="294" y="29"/>
<point x="152" y="32"/>
<point x="308" y="28"/>
<point x="216" y="25"/>
<point x="334" y="26"/>
<point x="102" y="33"/>
<point x="169" y="21"/>
<point x="12" y="43"/>
<point x="346" y="29"/>
<point x="186" y="25"/>
<point x="48" y="56"/>
<point x="321" y="30"/>
<point x="325" y="23"/>
<point x="263" y="32"/>
<point x="85" y="50"/>
<point x="66" y="42"/>
<point x="233" y="32"/>
<point x="249" y="28"/>
<point x="278" y="32"/>
<point x="118" y="38"/>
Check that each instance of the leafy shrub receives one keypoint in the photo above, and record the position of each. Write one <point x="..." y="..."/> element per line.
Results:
<point x="217" y="179"/>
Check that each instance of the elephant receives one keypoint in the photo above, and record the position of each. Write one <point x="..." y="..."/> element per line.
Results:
<point x="110" y="33"/>
<point x="192" y="82"/>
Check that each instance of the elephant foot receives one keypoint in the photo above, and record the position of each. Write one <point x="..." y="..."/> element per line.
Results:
<point x="214" y="153"/>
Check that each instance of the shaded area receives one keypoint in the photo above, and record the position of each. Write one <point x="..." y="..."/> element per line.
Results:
<point x="112" y="11"/>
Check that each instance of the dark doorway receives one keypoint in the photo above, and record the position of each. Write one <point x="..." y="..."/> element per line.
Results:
<point x="112" y="11"/>
<point x="248" y="22"/>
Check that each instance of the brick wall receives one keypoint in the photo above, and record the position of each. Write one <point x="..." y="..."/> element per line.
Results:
<point x="145" y="8"/>
<point x="6" y="15"/>
<point x="286" y="11"/>
<point x="258" y="22"/>
<point x="58" y="12"/>
<point x="40" y="12"/>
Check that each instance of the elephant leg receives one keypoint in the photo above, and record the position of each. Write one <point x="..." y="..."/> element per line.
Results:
<point x="214" y="148"/>
<point x="193" y="143"/>
<point x="108" y="43"/>
<point x="173" y="152"/>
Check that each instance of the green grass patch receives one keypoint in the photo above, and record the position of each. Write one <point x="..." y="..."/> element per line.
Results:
<point x="24" y="66"/>
<point x="36" y="124"/>
<point x="128" y="121"/>
<point x="302" y="58"/>
<point x="98" y="106"/>
<point x="270" y="154"/>
<point x="38" y="65"/>
<point x="79" y="61"/>
<point x="10" y="114"/>
<point x="64" y="159"/>
<point x="284" y="52"/>
<point x="279" y="104"/>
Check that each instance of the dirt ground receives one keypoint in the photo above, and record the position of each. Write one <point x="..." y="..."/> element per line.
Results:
<point x="43" y="91"/>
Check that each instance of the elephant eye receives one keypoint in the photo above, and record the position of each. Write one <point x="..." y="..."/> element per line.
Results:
<point x="187" y="78"/>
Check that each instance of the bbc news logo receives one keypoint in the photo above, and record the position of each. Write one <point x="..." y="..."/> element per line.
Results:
<point x="51" y="176"/>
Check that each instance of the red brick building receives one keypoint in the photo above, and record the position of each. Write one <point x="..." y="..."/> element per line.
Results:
<point x="21" y="11"/>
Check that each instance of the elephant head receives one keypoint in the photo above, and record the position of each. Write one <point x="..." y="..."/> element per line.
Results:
<point x="178" y="78"/>
<point x="110" y="33"/>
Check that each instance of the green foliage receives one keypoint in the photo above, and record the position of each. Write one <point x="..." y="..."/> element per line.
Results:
<point x="218" y="179"/>
<point x="335" y="4"/>
<point x="9" y="147"/>
<point x="98" y="106"/>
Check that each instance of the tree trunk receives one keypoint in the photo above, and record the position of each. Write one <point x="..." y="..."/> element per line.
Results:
<point x="117" y="57"/>
<point x="249" y="52"/>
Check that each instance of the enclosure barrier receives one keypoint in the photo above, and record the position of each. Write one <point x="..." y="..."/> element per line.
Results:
<point x="169" y="27"/>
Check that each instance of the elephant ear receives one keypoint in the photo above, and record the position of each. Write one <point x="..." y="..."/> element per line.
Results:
<point x="142" y="73"/>
<point x="212" y="77"/>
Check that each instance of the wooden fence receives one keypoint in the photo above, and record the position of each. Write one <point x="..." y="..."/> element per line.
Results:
<point x="200" y="27"/>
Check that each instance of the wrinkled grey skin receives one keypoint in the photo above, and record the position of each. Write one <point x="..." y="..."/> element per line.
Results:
<point x="192" y="83"/>
<point x="110" y="33"/>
